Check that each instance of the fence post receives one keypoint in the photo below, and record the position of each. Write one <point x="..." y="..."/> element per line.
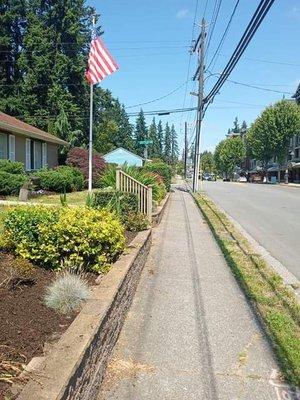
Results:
<point x="118" y="183"/>
<point x="149" y="203"/>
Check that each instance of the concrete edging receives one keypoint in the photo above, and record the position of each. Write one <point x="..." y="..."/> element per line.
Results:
<point x="75" y="367"/>
<point x="157" y="215"/>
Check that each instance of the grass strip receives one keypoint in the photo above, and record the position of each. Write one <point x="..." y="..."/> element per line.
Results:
<point x="277" y="304"/>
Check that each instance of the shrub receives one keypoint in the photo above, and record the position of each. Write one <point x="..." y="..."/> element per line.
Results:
<point x="122" y="203"/>
<point x="108" y="179"/>
<point x="162" y="169"/>
<point x="61" y="179"/>
<point x="67" y="293"/>
<point x="52" y="237"/>
<point x="12" y="167"/>
<point x="21" y="226"/>
<point x="11" y="183"/>
<point x="79" y="158"/>
<point x="136" y="222"/>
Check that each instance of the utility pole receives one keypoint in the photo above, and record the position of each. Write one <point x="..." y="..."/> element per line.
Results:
<point x="185" y="150"/>
<point x="200" y="94"/>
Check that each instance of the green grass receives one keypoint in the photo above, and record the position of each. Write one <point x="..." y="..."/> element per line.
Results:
<point x="76" y="198"/>
<point x="277" y="304"/>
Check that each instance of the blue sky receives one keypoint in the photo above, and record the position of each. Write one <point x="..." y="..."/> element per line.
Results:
<point x="150" y="41"/>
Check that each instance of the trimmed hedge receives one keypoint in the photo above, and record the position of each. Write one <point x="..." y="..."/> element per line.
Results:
<point x="11" y="183"/>
<point x="77" y="237"/>
<point x="12" y="167"/>
<point x="61" y="179"/>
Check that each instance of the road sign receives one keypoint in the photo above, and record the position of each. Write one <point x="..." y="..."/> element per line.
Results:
<point x="145" y="141"/>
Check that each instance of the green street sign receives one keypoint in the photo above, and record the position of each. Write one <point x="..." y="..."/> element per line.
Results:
<point x="145" y="141"/>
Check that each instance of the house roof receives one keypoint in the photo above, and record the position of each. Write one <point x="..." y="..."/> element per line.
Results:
<point x="13" y="125"/>
<point x="126" y="151"/>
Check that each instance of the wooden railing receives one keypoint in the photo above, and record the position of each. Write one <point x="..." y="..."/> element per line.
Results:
<point x="126" y="183"/>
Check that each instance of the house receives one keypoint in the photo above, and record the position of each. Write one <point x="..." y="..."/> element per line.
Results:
<point x="121" y="156"/>
<point x="25" y="143"/>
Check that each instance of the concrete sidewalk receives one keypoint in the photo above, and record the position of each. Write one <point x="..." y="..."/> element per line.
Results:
<point x="190" y="333"/>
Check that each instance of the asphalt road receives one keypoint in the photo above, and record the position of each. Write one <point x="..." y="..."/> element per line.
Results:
<point x="269" y="213"/>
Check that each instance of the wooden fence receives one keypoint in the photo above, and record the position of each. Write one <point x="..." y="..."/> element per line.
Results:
<point x="126" y="183"/>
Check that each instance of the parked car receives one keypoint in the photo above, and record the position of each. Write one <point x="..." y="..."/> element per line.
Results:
<point x="242" y="179"/>
<point x="209" y="177"/>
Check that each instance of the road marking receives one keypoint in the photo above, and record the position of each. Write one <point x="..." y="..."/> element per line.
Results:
<point x="283" y="391"/>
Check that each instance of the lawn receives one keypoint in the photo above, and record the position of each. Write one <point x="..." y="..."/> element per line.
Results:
<point x="75" y="198"/>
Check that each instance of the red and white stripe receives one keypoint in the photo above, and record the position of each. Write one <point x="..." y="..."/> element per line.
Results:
<point x="100" y="62"/>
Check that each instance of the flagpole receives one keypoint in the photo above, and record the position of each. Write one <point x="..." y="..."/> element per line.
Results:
<point x="90" y="184"/>
<point x="90" y="187"/>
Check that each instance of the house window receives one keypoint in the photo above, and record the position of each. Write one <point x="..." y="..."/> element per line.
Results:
<point x="37" y="159"/>
<point x="12" y="147"/>
<point x="36" y="154"/>
<point x="3" y="146"/>
<point x="28" y="155"/>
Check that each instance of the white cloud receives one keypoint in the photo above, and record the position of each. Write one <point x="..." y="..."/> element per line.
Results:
<point x="294" y="13"/>
<point x="183" y="13"/>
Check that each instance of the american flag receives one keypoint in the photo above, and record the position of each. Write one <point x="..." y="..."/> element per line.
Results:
<point x="100" y="62"/>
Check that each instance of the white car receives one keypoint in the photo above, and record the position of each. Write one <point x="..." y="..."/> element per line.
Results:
<point x="242" y="179"/>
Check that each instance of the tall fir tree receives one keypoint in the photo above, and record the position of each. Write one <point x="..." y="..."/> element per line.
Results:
<point x="167" y="144"/>
<point x="174" y="145"/>
<point x="44" y="48"/>
<point x="12" y="24"/>
<point x="140" y="133"/>
<point x="160" y="138"/>
<point x="152" y="134"/>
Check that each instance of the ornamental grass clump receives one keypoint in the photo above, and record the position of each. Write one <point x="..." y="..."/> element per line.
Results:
<point x="67" y="293"/>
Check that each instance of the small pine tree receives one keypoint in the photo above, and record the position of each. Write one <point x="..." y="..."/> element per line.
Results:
<point x="174" y="145"/>
<point x="141" y="132"/>
<point x="160" y="137"/>
<point x="168" y="144"/>
<point x="154" y="147"/>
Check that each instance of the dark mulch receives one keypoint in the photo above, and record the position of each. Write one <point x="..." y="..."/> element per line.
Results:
<point x="25" y="322"/>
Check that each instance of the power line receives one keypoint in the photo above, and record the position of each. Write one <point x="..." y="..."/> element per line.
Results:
<point x="258" y="88"/>
<point x="216" y="53"/>
<point x="189" y="61"/>
<point x="158" y="98"/>
<point x="252" y="27"/>
<point x="214" y="18"/>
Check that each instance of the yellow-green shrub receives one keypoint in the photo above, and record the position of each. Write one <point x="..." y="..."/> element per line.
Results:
<point x="77" y="236"/>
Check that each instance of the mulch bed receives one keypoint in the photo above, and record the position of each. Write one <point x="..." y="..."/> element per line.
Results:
<point x="26" y="323"/>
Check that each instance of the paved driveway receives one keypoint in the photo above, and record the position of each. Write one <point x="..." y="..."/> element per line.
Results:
<point x="269" y="213"/>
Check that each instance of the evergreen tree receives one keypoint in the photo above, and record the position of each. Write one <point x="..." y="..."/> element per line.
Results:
<point x="244" y="127"/>
<point x="236" y="127"/>
<point x="160" y="137"/>
<point x="140" y="133"/>
<point x="167" y="144"/>
<point x="154" y="147"/>
<point x="12" y="24"/>
<point x="296" y="96"/>
<point x="174" y="145"/>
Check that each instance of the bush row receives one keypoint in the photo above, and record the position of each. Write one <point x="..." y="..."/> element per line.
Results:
<point x="12" y="177"/>
<point x="60" y="179"/>
<point x="77" y="237"/>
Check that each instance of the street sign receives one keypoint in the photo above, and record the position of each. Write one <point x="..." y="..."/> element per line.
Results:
<point x="145" y="141"/>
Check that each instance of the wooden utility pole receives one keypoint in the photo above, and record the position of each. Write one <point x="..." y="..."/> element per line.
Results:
<point x="200" y="94"/>
<point x="185" y="150"/>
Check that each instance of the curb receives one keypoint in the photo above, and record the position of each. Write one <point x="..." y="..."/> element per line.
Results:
<point x="75" y="367"/>
<point x="157" y="215"/>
